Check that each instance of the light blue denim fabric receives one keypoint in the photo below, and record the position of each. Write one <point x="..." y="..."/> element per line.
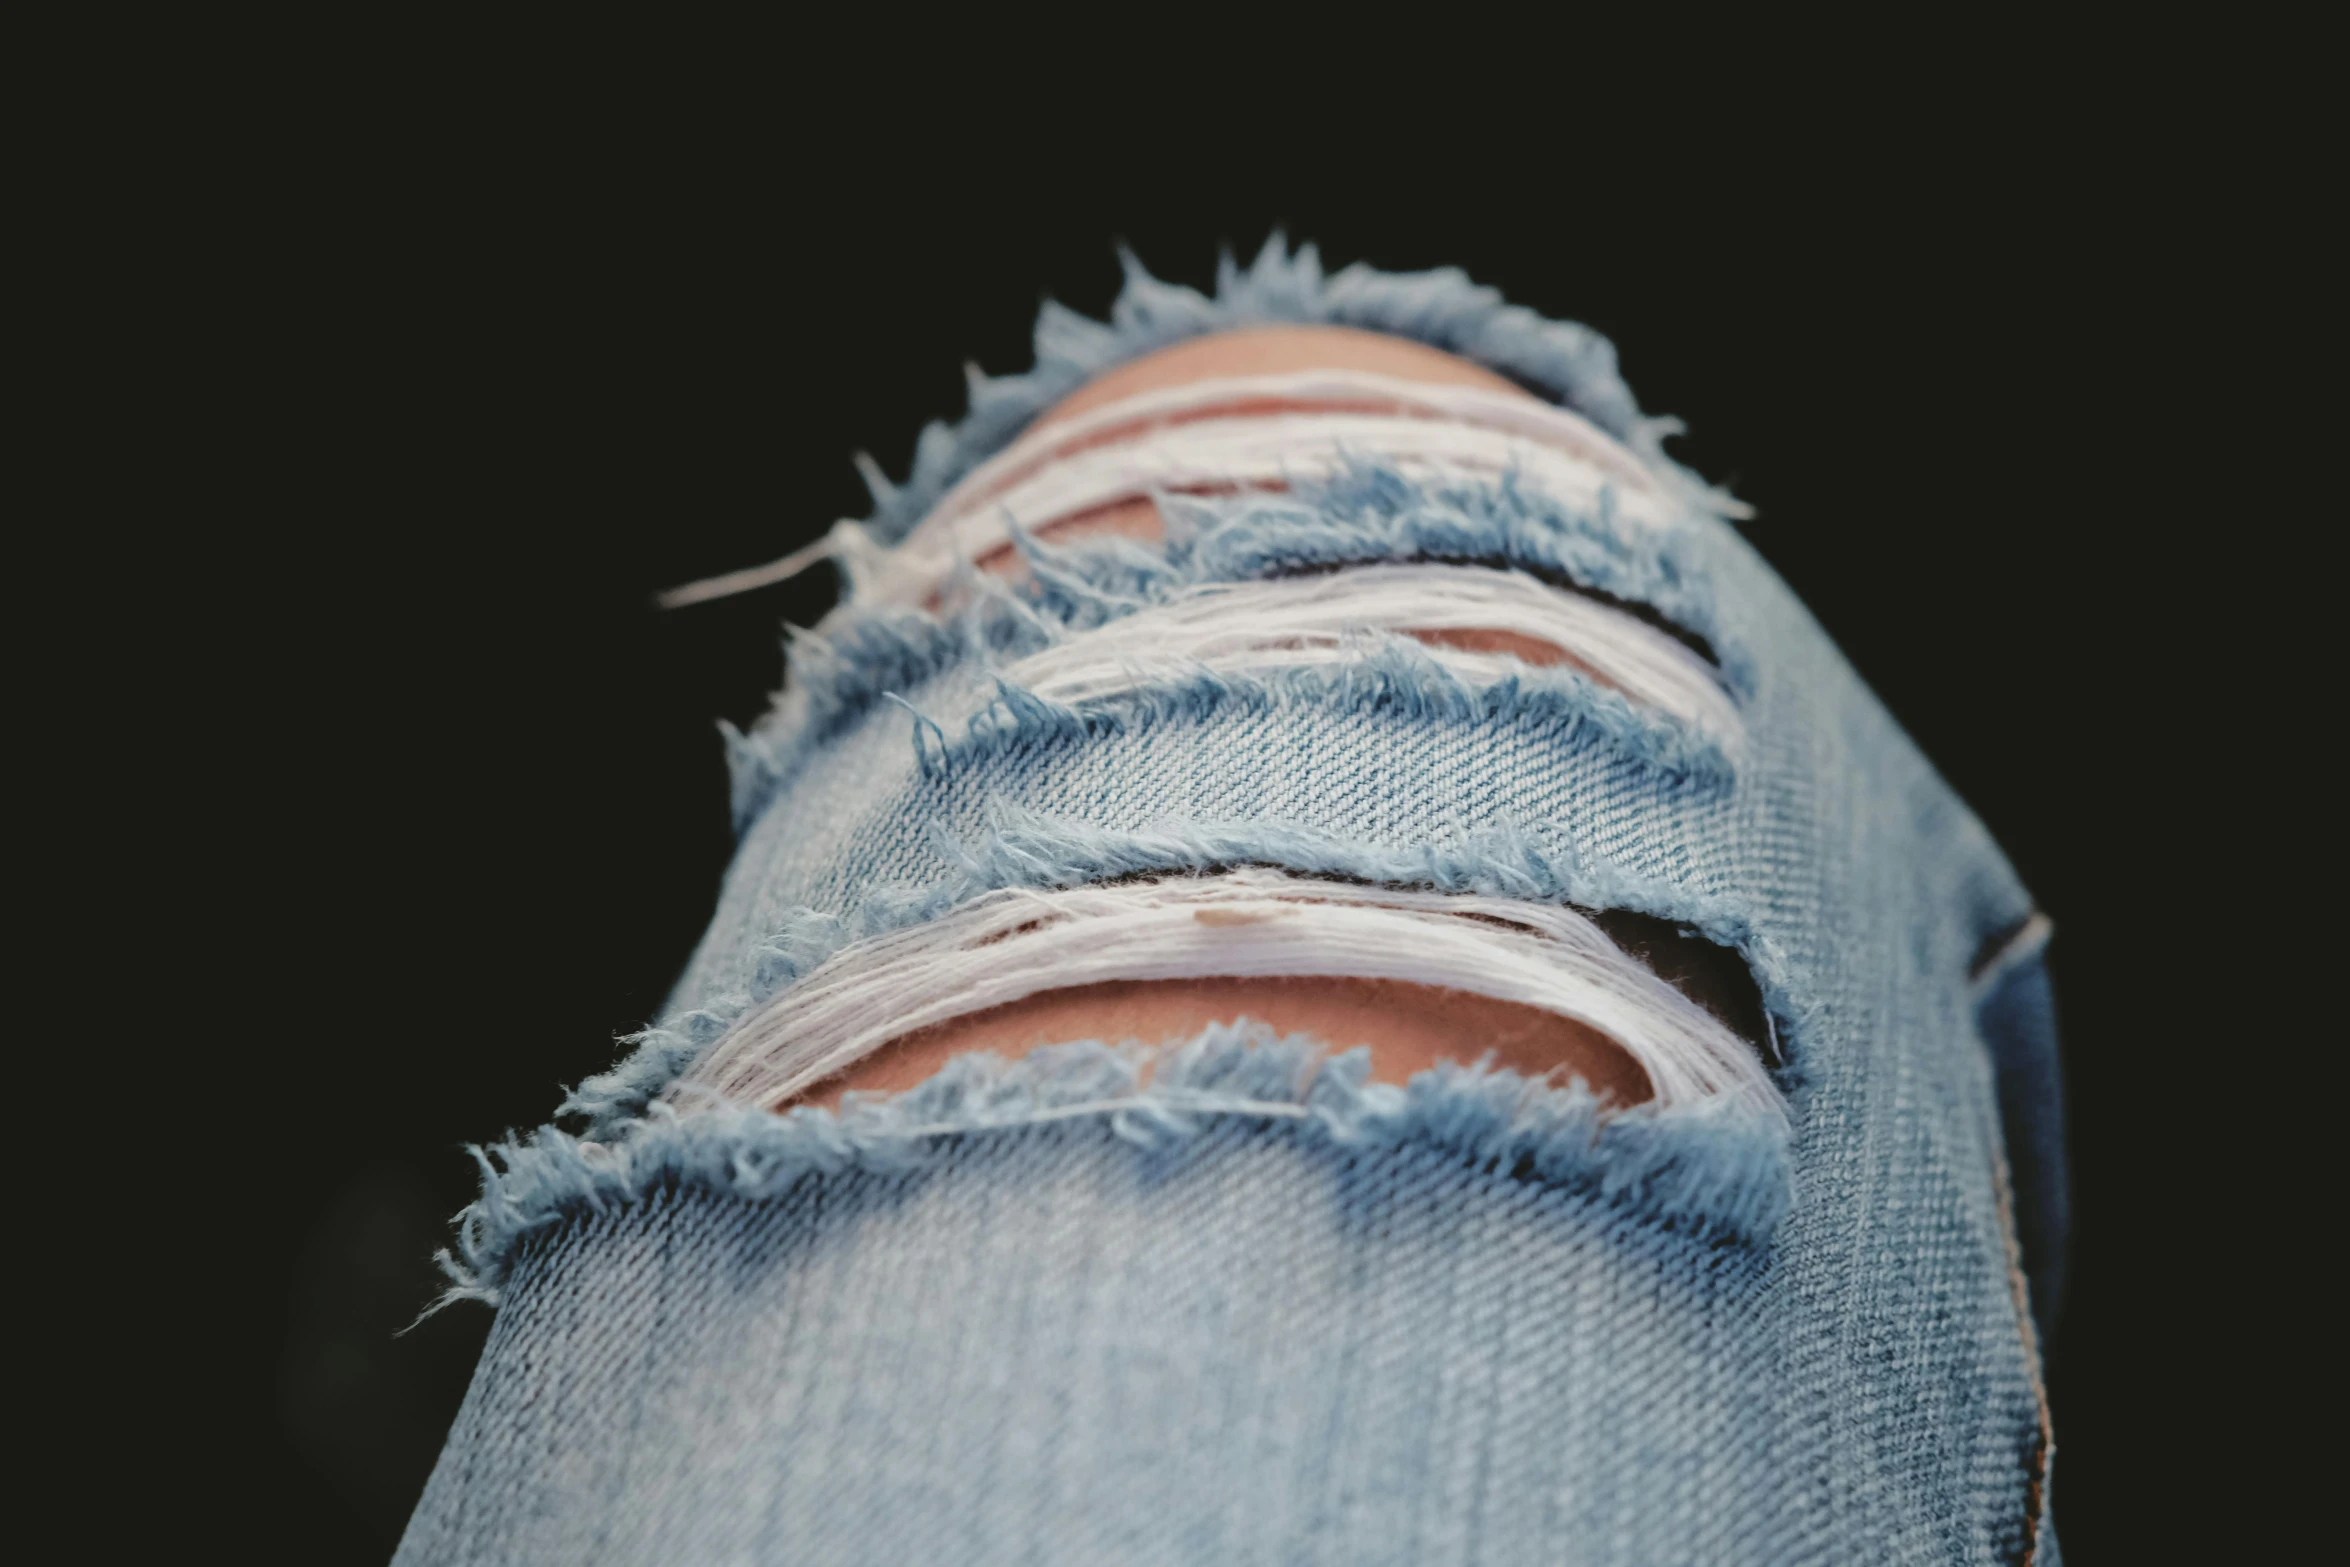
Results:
<point x="1252" y="1313"/>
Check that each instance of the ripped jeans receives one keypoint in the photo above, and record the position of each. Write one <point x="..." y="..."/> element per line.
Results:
<point x="1770" y="1293"/>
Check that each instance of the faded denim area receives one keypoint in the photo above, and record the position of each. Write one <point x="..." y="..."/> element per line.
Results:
<point x="1058" y="1317"/>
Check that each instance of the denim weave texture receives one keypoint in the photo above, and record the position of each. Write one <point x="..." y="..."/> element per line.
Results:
<point x="1055" y="1315"/>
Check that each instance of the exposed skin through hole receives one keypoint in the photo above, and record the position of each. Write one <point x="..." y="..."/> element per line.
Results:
<point x="1532" y="650"/>
<point x="1135" y="519"/>
<point x="1272" y="351"/>
<point x="1251" y="351"/>
<point x="1408" y="1027"/>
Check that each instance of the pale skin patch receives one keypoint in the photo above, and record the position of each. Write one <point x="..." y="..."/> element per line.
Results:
<point x="1407" y="1027"/>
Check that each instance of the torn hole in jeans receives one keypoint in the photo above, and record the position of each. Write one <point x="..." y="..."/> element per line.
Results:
<point x="1269" y="431"/>
<point x="1138" y="521"/>
<point x="1647" y="614"/>
<point x="1407" y="1028"/>
<point x="1101" y="472"/>
<point x="1713" y="976"/>
<point x="1481" y="623"/>
<point x="1098" y="472"/>
<point x="1237" y="929"/>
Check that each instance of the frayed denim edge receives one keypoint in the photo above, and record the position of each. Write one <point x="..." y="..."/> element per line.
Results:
<point x="1025" y="849"/>
<point x="1369" y="512"/>
<point x="1393" y="676"/>
<point x="1711" y="1171"/>
<point x="1566" y="360"/>
<point x="833" y="678"/>
<point x="862" y="656"/>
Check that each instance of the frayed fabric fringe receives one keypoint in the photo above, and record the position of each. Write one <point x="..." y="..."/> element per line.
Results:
<point x="1565" y="360"/>
<point x="1715" y="1172"/>
<point x="836" y="677"/>
<point x="1370" y="513"/>
<point x="1367" y="515"/>
<point x="1394" y="676"/>
<point x="1029" y="850"/>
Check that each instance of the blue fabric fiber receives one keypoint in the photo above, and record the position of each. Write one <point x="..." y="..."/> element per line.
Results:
<point x="1255" y="1308"/>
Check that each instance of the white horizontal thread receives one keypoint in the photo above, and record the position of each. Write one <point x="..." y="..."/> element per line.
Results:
<point x="1303" y="392"/>
<point x="1250" y="451"/>
<point x="1233" y="628"/>
<point x="1007" y="945"/>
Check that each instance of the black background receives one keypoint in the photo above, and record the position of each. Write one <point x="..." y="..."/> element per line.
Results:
<point x="500" y="372"/>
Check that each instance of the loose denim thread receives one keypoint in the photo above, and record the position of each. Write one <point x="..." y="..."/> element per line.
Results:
<point x="1714" y="1169"/>
<point x="1028" y="850"/>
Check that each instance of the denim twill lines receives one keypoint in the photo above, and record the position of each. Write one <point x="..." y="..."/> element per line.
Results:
<point x="1273" y="1348"/>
